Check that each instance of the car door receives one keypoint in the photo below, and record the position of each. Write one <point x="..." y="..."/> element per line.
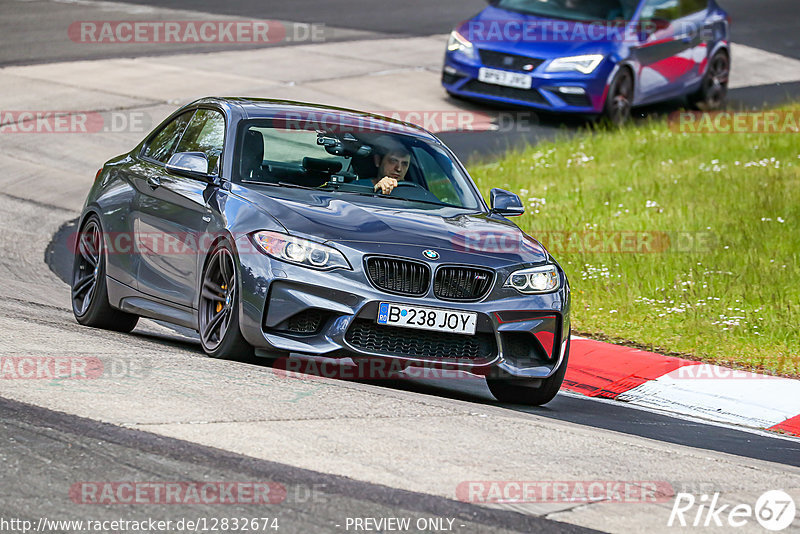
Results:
<point x="174" y="214"/>
<point x="142" y="170"/>
<point x="668" y="49"/>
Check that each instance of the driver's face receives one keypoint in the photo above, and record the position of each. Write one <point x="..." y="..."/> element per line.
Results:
<point x="394" y="166"/>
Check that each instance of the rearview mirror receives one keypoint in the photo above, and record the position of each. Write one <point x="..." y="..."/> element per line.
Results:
<point x="190" y="164"/>
<point x="506" y="203"/>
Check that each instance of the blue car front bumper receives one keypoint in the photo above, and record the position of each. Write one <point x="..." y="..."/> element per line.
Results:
<point x="567" y="92"/>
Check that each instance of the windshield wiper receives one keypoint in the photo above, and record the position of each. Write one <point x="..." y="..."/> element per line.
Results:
<point x="372" y="195"/>
<point x="296" y="186"/>
<point x="278" y="184"/>
<point x="414" y="200"/>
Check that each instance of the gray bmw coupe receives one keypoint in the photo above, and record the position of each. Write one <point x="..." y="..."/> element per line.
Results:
<point x="279" y="228"/>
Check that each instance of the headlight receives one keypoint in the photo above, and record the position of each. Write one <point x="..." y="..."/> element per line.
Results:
<point x="542" y="279"/>
<point x="300" y="251"/>
<point x="585" y="64"/>
<point x="458" y="42"/>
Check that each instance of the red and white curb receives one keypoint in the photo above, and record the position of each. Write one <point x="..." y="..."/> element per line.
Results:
<point x="711" y="392"/>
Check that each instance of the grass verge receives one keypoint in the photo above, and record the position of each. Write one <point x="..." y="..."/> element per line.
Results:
<point x="680" y="243"/>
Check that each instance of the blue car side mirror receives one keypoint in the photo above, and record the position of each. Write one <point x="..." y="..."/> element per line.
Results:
<point x="506" y="203"/>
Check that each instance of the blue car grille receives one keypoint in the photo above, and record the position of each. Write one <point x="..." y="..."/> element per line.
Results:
<point x="367" y="336"/>
<point x="527" y="95"/>
<point x="394" y="275"/>
<point x="462" y="283"/>
<point x="501" y="60"/>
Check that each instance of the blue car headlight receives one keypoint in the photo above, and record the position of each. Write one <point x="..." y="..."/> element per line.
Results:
<point x="459" y="43"/>
<point x="543" y="279"/>
<point x="584" y="64"/>
<point x="299" y="251"/>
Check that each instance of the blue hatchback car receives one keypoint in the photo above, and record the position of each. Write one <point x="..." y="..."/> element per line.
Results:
<point x="592" y="57"/>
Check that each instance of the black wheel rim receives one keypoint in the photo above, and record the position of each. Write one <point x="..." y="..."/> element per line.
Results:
<point x="86" y="271"/>
<point x="621" y="98"/>
<point x="717" y="81"/>
<point x="217" y="298"/>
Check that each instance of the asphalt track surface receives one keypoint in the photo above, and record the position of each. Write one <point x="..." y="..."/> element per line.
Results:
<point x="50" y="445"/>
<point x="44" y="450"/>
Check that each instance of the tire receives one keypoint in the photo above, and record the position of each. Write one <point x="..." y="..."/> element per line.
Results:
<point x="88" y="290"/>
<point x="619" y="102"/>
<point x="218" y="307"/>
<point x="713" y="92"/>
<point x="510" y="390"/>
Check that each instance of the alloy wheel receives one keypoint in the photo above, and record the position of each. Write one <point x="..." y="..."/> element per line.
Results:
<point x="622" y="95"/>
<point x="717" y="81"/>
<point x="86" y="270"/>
<point x="217" y="299"/>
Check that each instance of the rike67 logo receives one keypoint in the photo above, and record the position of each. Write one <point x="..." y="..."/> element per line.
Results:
<point x="774" y="510"/>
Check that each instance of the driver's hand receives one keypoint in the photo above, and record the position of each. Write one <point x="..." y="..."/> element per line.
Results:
<point x="385" y="185"/>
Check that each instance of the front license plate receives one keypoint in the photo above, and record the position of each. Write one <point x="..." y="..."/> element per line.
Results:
<point x="504" y="77"/>
<point x="456" y="322"/>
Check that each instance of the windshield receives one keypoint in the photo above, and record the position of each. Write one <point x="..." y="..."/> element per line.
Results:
<point x="352" y="163"/>
<point x="581" y="10"/>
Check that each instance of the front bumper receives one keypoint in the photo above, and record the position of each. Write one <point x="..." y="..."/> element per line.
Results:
<point x="287" y="308"/>
<point x="460" y="77"/>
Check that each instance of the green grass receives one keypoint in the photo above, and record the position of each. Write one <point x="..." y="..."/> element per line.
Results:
<point x="733" y="299"/>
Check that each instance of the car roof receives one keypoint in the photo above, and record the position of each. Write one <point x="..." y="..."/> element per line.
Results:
<point x="266" y="108"/>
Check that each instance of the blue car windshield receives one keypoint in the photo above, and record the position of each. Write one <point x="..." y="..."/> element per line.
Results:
<point x="351" y="162"/>
<point x="579" y="10"/>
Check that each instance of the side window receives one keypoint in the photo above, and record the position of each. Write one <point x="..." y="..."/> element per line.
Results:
<point x="205" y="133"/>
<point x="163" y="144"/>
<point x="438" y="182"/>
<point x="690" y="7"/>
<point x="671" y="9"/>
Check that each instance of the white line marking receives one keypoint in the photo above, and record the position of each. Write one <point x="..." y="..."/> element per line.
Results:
<point x="696" y="418"/>
<point x="758" y="402"/>
<point x="752" y="67"/>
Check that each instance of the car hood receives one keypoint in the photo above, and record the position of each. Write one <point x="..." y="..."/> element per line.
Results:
<point x="358" y="223"/>
<point x="550" y="38"/>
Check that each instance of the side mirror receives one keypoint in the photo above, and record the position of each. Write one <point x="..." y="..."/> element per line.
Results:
<point x="506" y="203"/>
<point x="190" y="164"/>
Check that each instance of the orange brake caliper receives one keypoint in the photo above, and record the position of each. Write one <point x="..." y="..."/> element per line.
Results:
<point x="219" y="304"/>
